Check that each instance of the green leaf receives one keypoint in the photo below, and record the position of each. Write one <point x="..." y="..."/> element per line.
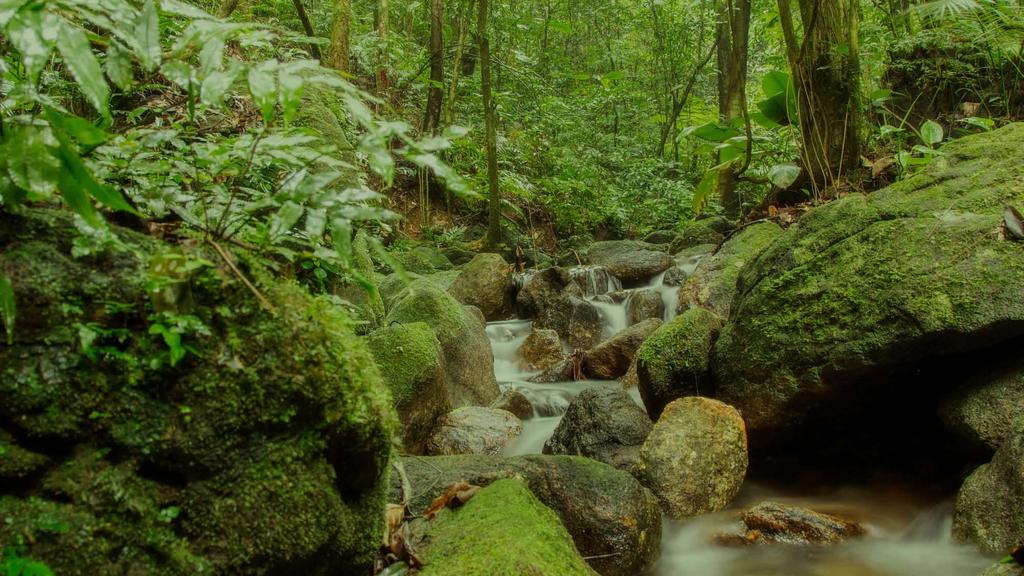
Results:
<point x="783" y="175"/>
<point x="932" y="133"/>
<point x="80" y="60"/>
<point x="285" y="218"/>
<point x="888" y="130"/>
<point x="8" y="310"/>
<point x="30" y="164"/>
<point x="86" y="133"/>
<point x="776" y="82"/>
<point x="289" y="93"/>
<point x="119" y="66"/>
<point x="216" y="85"/>
<point x="178" y="8"/>
<point x="702" y="194"/>
<point x="147" y="36"/>
<point x="8" y="8"/>
<point x="77" y="183"/>
<point x="34" y="34"/>
<point x="986" y="124"/>
<point x="263" y="89"/>
<point x="712" y="132"/>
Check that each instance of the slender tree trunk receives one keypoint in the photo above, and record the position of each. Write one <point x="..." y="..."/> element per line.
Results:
<point x="340" y="35"/>
<point x="383" y="26"/>
<point x="733" y="34"/>
<point x="435" y="95"/>
<point x="307" y="27"/>
<point x="679" y="102"/>
<point x="490" y="121"/>
<point x="453" y="86"/>
<point x="227" y="8"/>
<point x="826" y="73"/>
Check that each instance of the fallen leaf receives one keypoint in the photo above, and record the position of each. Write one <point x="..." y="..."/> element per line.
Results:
<point x="1013" y="223"/>
<point x="454" y="496"/>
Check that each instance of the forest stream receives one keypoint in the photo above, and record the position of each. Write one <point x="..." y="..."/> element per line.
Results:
<point x="907" y="533"/>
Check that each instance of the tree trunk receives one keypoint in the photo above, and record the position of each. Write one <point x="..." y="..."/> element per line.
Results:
<point x="733" y="33"/>
<point x="453" y="87"/>
<point x="227" y="8"/>
<point x="340" y="35"/>
<point x="307" y="28"/>
<point x="679" y="102"/>
<point x="383" y="25"/>
<point x="435" y="95"/>
<point x="490" y="121"/>
<point x="826" y="73"/>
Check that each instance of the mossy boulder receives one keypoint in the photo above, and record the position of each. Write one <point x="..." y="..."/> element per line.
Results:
<point x="989" y="509"/>
<point x="695" y="458"/>
<point x="674" y="361"/>
<point x="604" y="424"/>
<point x="468" y="360"/>
<point x="710" y="230"/>
<point x="713" y="283"/>
<point x="503" y="530"/>
<point x="872" y="282"/>
<point x="613" y="520"/>
<point x="630" y="261"/>
<point x="412" y="363"/>
<point x="279" y="415"/>
<point x="422" y="259"/>
<point x="982" y="411"/>
<point x="363" y="295"/>
<point x="485" y="282"/>
<point x="17" y="464"/>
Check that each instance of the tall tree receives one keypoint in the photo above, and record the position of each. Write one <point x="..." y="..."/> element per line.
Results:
<point x="733" y="40"/>
<point x="465" y="14"/>
<point x="435" y="94"/>
<point x="383" y="32"/>
<point x="341" y="31"/>
<point x="307" y="27"/>
<point x="490" y="122"/>
<point x="826" y="73"/>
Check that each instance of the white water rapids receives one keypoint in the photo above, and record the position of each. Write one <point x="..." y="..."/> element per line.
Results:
<point x="906" y="535"/>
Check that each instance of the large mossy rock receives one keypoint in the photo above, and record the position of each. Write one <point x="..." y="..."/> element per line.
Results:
<point x="412" y="363"/>
<point x="486" y="282"/>
<point x="984" y="409"/>
<point x="872" y="282"/>
<point x="674" y="361"/>
<point x="990" y="506"/>
<point x="695" y="458"/>
<point x="630" y="261"/>
<point x="697" y="232"/>
<point x="614" y="521"/>
<point x="468" y="360"/>
<point x="502" y="531"/>
<point x="264" y="448"/>
<point x="713" y="283"/>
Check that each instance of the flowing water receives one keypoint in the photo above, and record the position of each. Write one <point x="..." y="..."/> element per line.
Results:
<point x="906" y="535"/>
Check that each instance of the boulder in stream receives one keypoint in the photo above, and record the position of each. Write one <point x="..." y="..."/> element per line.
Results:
<point x="695" y="458"/>
<point x="474" y="430"/>
<point x="412" y="363"/>
<point x="542" y="349"/>
<point x="503" y="530"/>
<point x="984" y="409"/>
<point x="631" y="261"/>
<point x="776" y="523"/>
<point x="485" y="282"/>
<point x="869" y="283"/>
<point x="610" y="359"/>
<point x="468" y="359"/>
<point x="990" y="506"/>
<point x="644" y="304"/>
<point x="604" y="424"/>
<point x="1001" y="569"/>
<point x="709" y="230"/>
<point x="713" y="283"/>
<point x="514" y="401"/>
<point x="555" y="301"/>
<point x="673" y="362"/>
<point x="614" y="521"/>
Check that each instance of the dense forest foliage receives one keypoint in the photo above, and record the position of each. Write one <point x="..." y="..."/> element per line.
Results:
<point x="197" y="193"/>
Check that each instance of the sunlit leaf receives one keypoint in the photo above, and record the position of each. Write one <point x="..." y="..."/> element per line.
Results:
<point x="84" y="66"/>
<point x="784" y="175"/>
<point x="932" y="133"/>
<point x="34" y="34"/>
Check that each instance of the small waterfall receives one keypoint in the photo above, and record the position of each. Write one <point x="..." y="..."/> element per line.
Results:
<point x="613" y="315"/>
<point x="506" y="338"/>
<point x="594" y="280"/>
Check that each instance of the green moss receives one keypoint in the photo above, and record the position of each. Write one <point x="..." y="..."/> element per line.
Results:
<point x="697" y="232"/>
<point x="407" y="354"/>
<point x="424" y="301"/>
<point x="867" y="282"/>
<point x="363" y="293"/>
<point x="674" y="361"/>
<point x="503" y="531"/>
<point x="423" y="259"/>
<point x="17" y="463"/>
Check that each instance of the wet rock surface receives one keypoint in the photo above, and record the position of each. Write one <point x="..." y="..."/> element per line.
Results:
<point x="604" y="424"/>
<point x="474" y="430"/>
